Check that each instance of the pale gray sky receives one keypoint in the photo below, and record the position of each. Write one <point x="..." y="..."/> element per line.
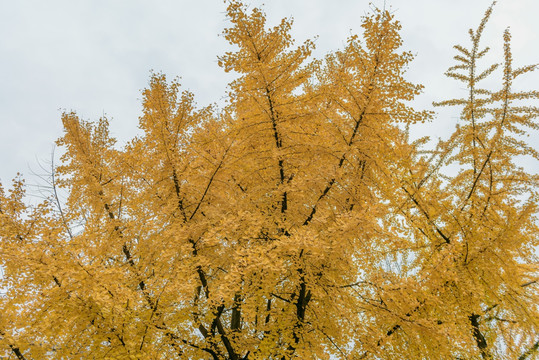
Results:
<point x="94" y="56"/>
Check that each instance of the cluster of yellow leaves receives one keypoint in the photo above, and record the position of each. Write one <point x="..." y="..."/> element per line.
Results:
<point x="297" y="222"/>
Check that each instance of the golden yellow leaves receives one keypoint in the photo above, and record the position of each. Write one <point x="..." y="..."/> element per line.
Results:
<point x="297" y="222"/>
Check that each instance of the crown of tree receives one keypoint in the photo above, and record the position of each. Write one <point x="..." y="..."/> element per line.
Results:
<point x="299" y="221"/>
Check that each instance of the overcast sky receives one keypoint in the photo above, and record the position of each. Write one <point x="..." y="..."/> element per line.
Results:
<point x="95" y="56"/>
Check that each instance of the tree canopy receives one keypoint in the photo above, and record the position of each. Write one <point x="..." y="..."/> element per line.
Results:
<point x="297" y="221"/>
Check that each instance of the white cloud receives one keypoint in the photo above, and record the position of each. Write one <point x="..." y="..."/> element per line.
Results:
<point x="94" y="56"/>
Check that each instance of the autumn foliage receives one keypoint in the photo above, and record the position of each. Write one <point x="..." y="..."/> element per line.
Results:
<point x="298" y="221"/>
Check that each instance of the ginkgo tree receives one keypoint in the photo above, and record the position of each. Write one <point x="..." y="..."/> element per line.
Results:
<point x="298" y="221"/>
